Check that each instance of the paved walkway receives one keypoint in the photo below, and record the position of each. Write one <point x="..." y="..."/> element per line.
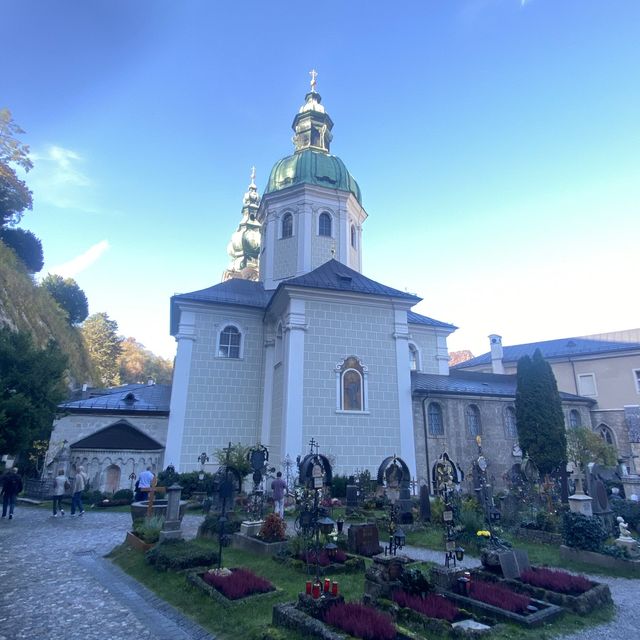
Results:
<point x="55" y="584"/>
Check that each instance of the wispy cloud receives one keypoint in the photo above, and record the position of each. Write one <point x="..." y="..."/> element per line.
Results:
<point x="57" y="179"/>
<point x="78" y="264"/>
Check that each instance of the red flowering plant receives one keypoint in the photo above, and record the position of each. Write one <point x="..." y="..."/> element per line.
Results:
<point x="499" y="596"/>
<point x="361" y="621"/>
<point x="432" y="605"/>
<point x="555" y="580"/>
<point x="273" y="529"/>
<point x="323" y="558"/>
<point x="237" y="583"/>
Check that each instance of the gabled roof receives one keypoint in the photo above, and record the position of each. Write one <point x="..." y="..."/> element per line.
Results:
<point x="473" y="383"/>
<point x="119" y="435"/>
<point x="416" y="318"/>
<point x="142" y="398"/>
<point x="550" y="349"/>
<point x="335" y="276"/>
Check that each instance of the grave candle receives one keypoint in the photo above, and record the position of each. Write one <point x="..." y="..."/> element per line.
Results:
<point x="316" y="591"/>
<point x="308" y="588"/>
<point x="334" y="588"/>
<point x="327" y="585"/>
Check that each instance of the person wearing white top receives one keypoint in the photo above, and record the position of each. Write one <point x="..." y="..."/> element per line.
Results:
<point x="60" y="487"/>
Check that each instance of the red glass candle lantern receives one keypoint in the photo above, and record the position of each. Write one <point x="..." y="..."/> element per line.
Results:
<point x="327" y="585"/>
<point x="308" y="588"/>
<point x="316" y="591"/>
<point x="334" y="589"/>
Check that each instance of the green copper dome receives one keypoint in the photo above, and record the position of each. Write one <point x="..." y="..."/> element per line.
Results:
<point x="312" y="167"/>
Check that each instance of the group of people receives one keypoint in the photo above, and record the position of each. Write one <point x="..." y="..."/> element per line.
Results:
<point x="63" y="485"/>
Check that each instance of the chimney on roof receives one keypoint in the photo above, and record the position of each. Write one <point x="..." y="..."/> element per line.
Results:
<point x="150" y="382"/>
<point x="85" y="389"/>
<point x="496" y="353"/>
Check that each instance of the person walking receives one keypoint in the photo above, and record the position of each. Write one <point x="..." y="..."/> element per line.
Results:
<point x="144" y="484"/>
<point x="60" y="487"/>
<point x="79" y="485"/>
<point x="11" y="487"/>
<point x="278" y="486"/>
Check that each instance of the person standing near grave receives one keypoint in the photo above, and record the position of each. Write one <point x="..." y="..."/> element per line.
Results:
<point x="144" y="483"/>
<point x="11" y="487"/>
<point x="79" y="485"/>
<point x="60" y="486"/>
<point x="278" y="486"/>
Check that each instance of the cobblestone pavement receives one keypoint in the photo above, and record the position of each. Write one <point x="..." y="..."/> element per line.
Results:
<point x="54" y="583"/>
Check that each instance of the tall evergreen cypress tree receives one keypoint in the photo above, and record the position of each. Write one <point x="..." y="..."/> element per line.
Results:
<point x="540" y="421"/>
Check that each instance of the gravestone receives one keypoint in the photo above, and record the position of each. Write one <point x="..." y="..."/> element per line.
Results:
<point x="425" y="504"/>
<point x="513" y="563"/>
<point x="363" y="539"/>
<point x="171" y="526"/>
<point x="353" y="501"/>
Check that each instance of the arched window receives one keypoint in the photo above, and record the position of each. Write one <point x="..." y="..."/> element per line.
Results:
<point x="229" y="342"/>
<point x="353" y="236"/>
<point x="324" y="225"/>
<point x="287" y="225"/>
<point x="436" y="425"/>
<point x="574" y="419"/>
<point x="352" y="385"/>
<point x="606" y="434"/>
<point x="510" y="428"/>
<point x="473" y="421"/>
<point x="413" y="358"/>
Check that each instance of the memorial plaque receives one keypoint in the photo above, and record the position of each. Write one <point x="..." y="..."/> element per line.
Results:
<point x="522" y="558"/>
<point x="448" y="516"/>
<point x="363" y="539"/>
<point x="513" y="563"/>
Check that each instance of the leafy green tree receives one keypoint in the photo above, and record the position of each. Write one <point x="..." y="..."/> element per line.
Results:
<point x="138" y="364"/>
<point x="103" y="345"/>
<point x="67" y="293"/>
<point x="539" y="417"/>
<point x="31" y="386"/>
<point x="26" y="246"/>
<point x="15" y="196"/>
<point x="585" y="446"/>
<point x="237" y="458"/>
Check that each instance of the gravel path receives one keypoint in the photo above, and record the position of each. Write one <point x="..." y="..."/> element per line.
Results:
<point x="56" y="585"/>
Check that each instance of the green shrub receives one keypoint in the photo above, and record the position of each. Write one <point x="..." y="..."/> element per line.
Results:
<point x="93" y="497"/>
<point x="339" y="486"/>
<point x="178" y="554"/>
<point x="211" y="525"/>
<point x="190" y="482"/>
<point x="437" y="509"/>
<point x="629" y="510"/>
<point x="123" y="494"/>
<point x="148" y="529"/>
<point x="273" y="529"/>
<point x="582" y="532"/>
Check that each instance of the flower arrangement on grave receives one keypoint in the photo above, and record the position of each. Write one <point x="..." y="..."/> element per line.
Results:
<point x="273" y="529"/>
<point x="322" y="558"/>
<point x="431" y="605"/>
<point x="237" y="583"/>
<point x="499" y="596"/>
<point x="361" y="621"/>
<point x="556" y="580"/>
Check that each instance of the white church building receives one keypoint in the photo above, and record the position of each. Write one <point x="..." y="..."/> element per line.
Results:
<point x="296" y="343"/>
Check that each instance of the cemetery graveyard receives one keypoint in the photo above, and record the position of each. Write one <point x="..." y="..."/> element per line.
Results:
<point x="343" y="567"/>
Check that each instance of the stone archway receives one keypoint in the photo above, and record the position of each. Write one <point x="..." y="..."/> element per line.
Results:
<point x="112" y="478"/>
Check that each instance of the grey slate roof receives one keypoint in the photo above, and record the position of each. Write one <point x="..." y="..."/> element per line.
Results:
<point x="235" y="291"/>
<point x="140" y="398"/>
<point x="335" y="276"/>
<point x="416" y="318"/>
<point x="121" y="435"/>
<point x="473" y="383"/>
<point x="562" y="348"/>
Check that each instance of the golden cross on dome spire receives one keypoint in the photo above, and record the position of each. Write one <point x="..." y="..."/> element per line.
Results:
<point x="314" y="74"/>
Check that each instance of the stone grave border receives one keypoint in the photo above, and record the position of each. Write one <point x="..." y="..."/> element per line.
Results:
<point x="538" y="536"/>
<point x="257" y="546"/>
<point x="194" y="579"/>
<point x="599" y="559"/>
<point x="133" y="542"/>
<point x="335" y="568"/>
<point x="585" y="603"/>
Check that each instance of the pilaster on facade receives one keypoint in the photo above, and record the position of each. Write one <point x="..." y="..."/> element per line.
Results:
<point x="267" y="392"/>
<point x="442" y="353"/>
<point x="185" y="338"/>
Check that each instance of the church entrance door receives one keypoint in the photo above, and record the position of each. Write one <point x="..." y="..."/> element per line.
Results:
<point x="112" y="480"/>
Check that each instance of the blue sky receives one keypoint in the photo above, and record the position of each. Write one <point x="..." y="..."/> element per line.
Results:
<point x="495" y="143"/>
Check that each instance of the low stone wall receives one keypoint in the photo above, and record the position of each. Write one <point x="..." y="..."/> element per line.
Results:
<point x="257" y="546"/>
<point x="600" y="559"/>
<point x="195" y="579"/>
<point x="538" y="536"/>
<point x="353" y="564"/>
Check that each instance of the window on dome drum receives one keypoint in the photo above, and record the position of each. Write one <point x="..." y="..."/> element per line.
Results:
<point x="353" y="236"/>
<point x="574" y="419"/>
<point x="413" y="357"/>
<point x="324" y="225"/>
<point x="636" y="379"/>
<point x="287" y="225"/>
<point x="229" y="344"/>
<point x="436" y="425"/>
<point x="606" y="434"/>
<point x="473" y="421"/>
<point x="351" y="386"/>
<point x="510" y="427"/>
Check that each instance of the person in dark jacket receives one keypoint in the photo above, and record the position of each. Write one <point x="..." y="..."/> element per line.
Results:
<point x="11" y="487"/>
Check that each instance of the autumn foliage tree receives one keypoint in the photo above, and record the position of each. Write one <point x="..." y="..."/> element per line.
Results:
<point x="103" y="345"/>
<point x="137" y="364"/>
